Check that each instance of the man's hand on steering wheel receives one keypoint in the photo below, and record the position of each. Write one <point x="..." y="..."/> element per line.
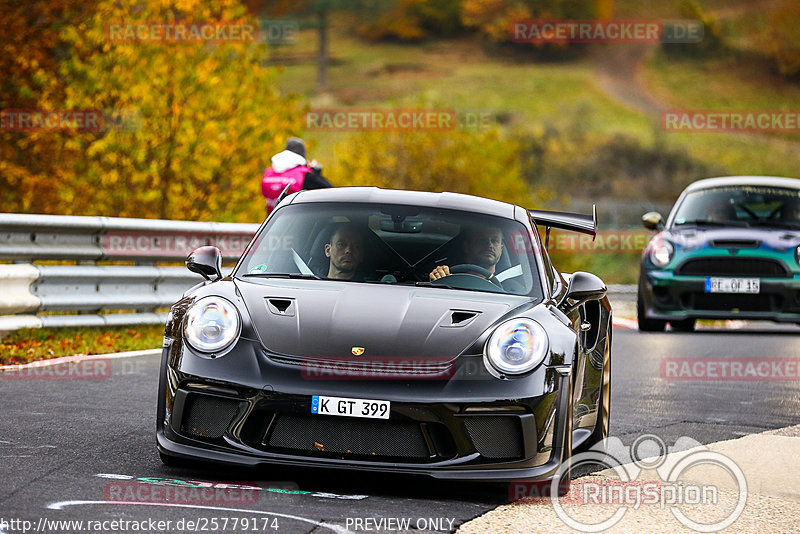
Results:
<point x="439" y="272"/>
<point x="467" y="268"/>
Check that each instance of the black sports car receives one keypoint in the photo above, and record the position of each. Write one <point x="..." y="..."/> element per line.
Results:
<point x="395" y="331"/>
<point x="730" y="250"/>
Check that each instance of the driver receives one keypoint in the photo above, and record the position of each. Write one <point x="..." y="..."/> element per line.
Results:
<point x="345" y="251"/>
<point x="720" y="209"/>
<point x="482" y="247"/>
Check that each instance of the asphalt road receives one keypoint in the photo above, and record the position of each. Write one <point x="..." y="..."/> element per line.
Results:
<point x="66" y="447"/>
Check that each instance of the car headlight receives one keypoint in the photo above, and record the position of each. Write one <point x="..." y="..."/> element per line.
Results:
<point x="212" y="324"/>
<point x="661" y="251"/>
<point x="517" y="346"/>
<point x="797" y="255"/>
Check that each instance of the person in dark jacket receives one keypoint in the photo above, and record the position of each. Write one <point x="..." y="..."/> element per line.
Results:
<point x="290" y="167"/>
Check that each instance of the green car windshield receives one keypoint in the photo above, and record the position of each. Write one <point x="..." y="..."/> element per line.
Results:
<point x="395" y="244"/>
<point x="741" y="206"/>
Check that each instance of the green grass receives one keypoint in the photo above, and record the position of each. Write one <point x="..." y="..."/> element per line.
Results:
<point x="31" y="344"/>
<point x="457" y="75"/>
<point x="726" y="84"/>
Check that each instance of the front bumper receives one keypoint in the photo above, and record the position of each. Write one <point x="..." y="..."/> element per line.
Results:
<point x="668" y="296"/>
<point x="469" y="427"/>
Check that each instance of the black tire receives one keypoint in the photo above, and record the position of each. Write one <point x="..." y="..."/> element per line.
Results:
<point x="645" y="323"/>
<point x="685" y="325"/>
<point x="601" y="426"/>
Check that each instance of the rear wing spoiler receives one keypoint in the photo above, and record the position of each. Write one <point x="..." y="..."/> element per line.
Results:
<point x="575" y="222"/>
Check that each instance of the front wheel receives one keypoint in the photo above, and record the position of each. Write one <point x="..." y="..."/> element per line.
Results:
<point x="601" y="426"/>
<point x="645" y="323"/>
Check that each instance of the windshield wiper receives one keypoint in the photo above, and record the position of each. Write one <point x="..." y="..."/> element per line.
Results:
<point x="776" y="224"/>
<point x="431" y="284"/>
<point x="283" y="275"/>
<point x="706" y="222"/>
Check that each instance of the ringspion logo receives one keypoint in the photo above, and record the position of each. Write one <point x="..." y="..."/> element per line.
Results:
<point x="626" y="483"/>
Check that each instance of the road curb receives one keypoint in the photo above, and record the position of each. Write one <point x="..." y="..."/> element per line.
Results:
<point x="772" y="493"/>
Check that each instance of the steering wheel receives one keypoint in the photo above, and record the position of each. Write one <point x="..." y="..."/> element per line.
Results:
<point x="470" y="268"/>
<point x="474" y="270"/>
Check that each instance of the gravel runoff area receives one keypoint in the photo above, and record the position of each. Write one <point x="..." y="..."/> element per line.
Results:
<point x="768" y="462"/>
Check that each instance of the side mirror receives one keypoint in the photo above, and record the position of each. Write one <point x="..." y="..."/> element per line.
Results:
<point x="652" y="220"/>
<point x="206" y="261"/>
<point x="584" y="287"/>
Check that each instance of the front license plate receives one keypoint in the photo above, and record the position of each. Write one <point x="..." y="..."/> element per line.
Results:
<point x="370" y="409"/>
<point x="733" y="285"/>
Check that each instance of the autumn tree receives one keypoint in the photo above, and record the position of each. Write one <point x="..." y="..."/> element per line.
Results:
<point x="784" y="38"/>
<point x="484" y="163"/>
<point x="493" y="18"/>
<point x="410" y="20"/>
<point x="197" y="120"/>
<point x="32" y="164"/>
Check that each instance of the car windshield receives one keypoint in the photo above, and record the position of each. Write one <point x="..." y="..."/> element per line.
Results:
<point x="741" y="206"/>
<point x="395" y="244"/>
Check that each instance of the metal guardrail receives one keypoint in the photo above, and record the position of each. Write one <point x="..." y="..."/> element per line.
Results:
<point x="61" y="237"/>
<point x="28" y="289"/>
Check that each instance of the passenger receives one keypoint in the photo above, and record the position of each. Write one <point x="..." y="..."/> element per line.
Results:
<point x="289" y="167"/>
<point x="345" y="250"/>
<point x="482" y="247"/>
<point x="791" y="211"/>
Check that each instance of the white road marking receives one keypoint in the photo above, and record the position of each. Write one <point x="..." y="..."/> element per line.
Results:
<point x="319" y="494"/>
<point x="336" y="528"/>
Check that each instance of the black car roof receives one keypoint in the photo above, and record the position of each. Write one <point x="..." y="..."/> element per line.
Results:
<point x="376" y="195"/>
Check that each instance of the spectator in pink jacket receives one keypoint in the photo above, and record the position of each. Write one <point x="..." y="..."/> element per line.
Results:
<point x="289" y="167"/>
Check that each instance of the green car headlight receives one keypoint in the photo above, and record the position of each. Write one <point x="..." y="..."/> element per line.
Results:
<point x="661" y="251"/>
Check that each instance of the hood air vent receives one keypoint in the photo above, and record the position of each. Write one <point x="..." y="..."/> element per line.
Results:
<point x="459" y="318"/>
<point x="735" y="243"/>
<point x="280" y="306"/>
